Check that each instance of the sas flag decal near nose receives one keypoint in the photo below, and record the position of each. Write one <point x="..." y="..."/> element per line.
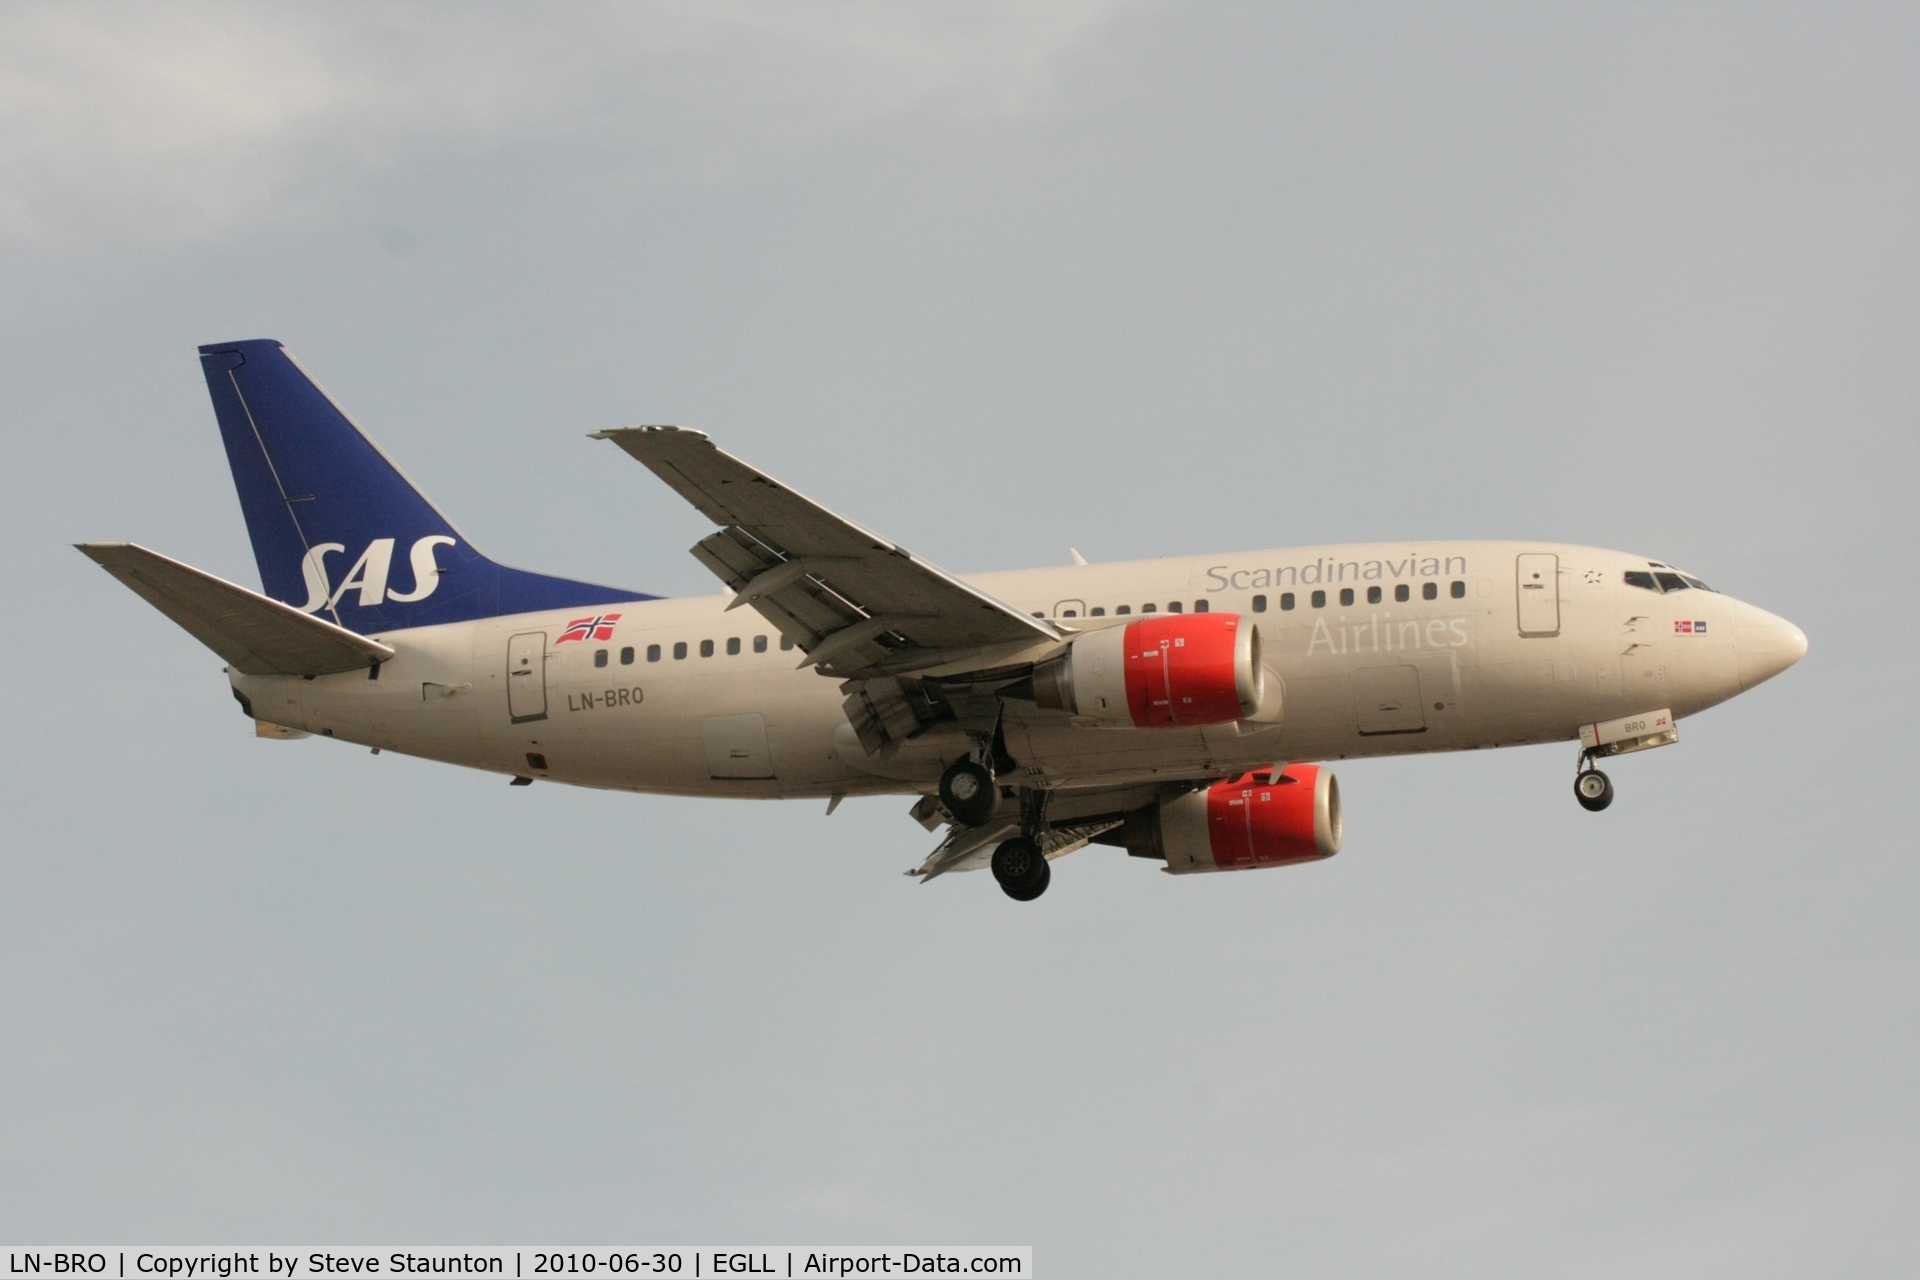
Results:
<point x="600" y="628"/>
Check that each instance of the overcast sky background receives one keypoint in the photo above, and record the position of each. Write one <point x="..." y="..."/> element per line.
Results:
<point x="993" y="279"/>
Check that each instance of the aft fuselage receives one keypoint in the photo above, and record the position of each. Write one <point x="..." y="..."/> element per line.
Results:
<point x="1374" y="650"/>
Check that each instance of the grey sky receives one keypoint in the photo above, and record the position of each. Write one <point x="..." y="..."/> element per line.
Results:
<point x="994" y="279"/>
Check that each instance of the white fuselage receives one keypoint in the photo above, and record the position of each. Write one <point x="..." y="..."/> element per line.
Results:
<point x="1491" y="660"/>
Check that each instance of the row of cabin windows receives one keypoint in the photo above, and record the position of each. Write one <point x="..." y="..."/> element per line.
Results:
<point x="1100" y="610"/>
<point x="1375" y="595"/>
<point x="1401" y="593"/>
<point x="600" y="656"/>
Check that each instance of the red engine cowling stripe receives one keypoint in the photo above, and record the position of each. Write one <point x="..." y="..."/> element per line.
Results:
<point x="1179" y="670"/>
<point x="1254" y="823"/>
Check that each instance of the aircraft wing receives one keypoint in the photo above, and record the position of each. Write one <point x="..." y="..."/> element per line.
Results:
<point x="858" y="605"/>
<point x="256" y="635"/>
<point x="971" y="848"/>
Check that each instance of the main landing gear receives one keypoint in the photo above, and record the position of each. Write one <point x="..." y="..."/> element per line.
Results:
<point x="1592" y="788"/>
<point x="969" y="792"/>
<point x="1022" y="870"/>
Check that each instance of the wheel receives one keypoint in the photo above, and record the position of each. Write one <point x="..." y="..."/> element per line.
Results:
<point x="1594" y="790"/>
<point x="1021" y="869"/>
<point x="1027" y="893"/>
<point x="969" y="793"/>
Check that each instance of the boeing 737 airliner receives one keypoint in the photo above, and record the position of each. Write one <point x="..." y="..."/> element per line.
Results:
<point x="1170" y="707"/>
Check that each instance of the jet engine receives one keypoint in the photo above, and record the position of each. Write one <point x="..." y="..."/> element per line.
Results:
<point x="1175" y="671"/>
<point x="1243" y="823"/>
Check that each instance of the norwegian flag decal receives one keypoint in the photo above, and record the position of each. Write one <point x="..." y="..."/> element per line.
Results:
<point x="599" y="628"/>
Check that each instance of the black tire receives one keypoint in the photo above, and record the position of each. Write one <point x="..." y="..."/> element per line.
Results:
<point x="1594" y="790"/>
<point x="1018" y="862"/>
<point x="1033" y="887"/>
<point x="969" y="792"/>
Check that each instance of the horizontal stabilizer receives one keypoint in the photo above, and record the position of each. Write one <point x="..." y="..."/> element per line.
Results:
<point x="256" y="635"/>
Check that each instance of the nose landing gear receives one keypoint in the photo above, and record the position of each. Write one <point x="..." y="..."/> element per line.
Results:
<point x="1022" y="870"/>
<point x="1592" y="788"/>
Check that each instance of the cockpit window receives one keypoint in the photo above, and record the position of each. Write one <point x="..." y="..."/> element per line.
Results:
<point x="1694" y="582"/>
<point x="1640" y="578"/>
<point x="1670" y="582"/>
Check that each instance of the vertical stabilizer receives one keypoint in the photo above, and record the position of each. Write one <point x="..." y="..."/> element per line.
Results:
<point x="337" y="531"/>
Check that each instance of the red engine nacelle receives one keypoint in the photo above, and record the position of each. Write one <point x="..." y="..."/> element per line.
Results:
<point x="1180" y="670"/>
<point x="1242" y="823"/>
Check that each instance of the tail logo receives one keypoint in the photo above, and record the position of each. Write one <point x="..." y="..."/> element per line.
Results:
<point x="369" y="573"/>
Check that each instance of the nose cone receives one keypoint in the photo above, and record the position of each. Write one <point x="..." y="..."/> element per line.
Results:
<point x="1764" y="645"/>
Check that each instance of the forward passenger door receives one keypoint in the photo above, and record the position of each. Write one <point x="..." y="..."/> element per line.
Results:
<point x="1537" y="585"/>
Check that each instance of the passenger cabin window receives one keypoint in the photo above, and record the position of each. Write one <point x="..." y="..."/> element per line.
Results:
<point x="786" y="642"/>
<point x="1670" y="581"/>
<point x="626" y="656"/>
<point x="653" y="653"/>
<point x="1203" y="606"/>
<point x="599" y="657"/>
<point x="1173" y="606"/>
<point x="1373" y="595"/>
<point x="1402" y="593"/>
<point x="679" y="650"/>
<point x="759" y="644"/>
<point x="1098" y="611"/>
<point x="1148" y="608"/>
<point x="1640" y="578"/>
<point x="1286" y="601"/>
<point x="706" y="648"/>
<point x="1429" y="591"/>
<point x="1125" y="608"/>
<point x="1319" y="599"/>
<point x="1259" y="604"/>
<point x="733" y="645"/>
<point x="1458" y="590"/>
<point x="1346" y="595"/>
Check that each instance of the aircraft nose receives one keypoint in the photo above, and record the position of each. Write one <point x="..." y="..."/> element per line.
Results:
<point x="1764" y="645"/>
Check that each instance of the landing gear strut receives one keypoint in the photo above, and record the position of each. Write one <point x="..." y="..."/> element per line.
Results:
<point x="969" y="792"/>
<point x="1592" y="788"/>
<point x="1021" y="869"/>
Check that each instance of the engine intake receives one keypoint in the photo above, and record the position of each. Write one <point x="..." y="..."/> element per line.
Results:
<point x="1177" y="671"/>
<point x="1242" y="823"/>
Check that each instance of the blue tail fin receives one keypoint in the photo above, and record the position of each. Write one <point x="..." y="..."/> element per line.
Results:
<point x="336" y="529"/>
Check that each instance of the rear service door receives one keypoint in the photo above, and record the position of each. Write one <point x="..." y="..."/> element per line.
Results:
<point x="1538" y="583"/>
<point x="527" y="676"/>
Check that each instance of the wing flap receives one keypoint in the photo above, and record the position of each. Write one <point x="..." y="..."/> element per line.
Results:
<point x="866" y="606"/>
<point x="256" y="635"/>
